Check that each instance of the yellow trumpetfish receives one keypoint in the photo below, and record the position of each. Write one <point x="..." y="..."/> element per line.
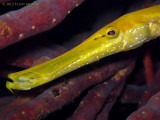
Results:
<point x="127" y="32"/>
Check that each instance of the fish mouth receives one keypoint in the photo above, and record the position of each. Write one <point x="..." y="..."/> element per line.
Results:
<point x="12" y="77"/>
<point x="18" y="83"/>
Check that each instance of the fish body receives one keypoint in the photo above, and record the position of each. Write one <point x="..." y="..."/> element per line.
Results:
<point x="127" y="32"/>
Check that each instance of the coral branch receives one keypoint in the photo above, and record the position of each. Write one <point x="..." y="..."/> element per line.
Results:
<point x="105" y="92"/>
<point x="150" y="111"/>
<point x="135" y="97"/>
<point x="141" y="94"/>
<point x="153" y="88"/>
<point x="5" y="100"/>
<point x="104" y="114"/>
<point x="13" y="105"/>
<point x="28" y="55"/>
<point x="148" y="67"/>
<point x="40" y="16"/>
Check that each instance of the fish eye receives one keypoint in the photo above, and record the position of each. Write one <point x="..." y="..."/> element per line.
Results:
<point x="112" y="32"/>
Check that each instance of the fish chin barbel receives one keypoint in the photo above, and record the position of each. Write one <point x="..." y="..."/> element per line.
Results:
<point x="127" y="32"/>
